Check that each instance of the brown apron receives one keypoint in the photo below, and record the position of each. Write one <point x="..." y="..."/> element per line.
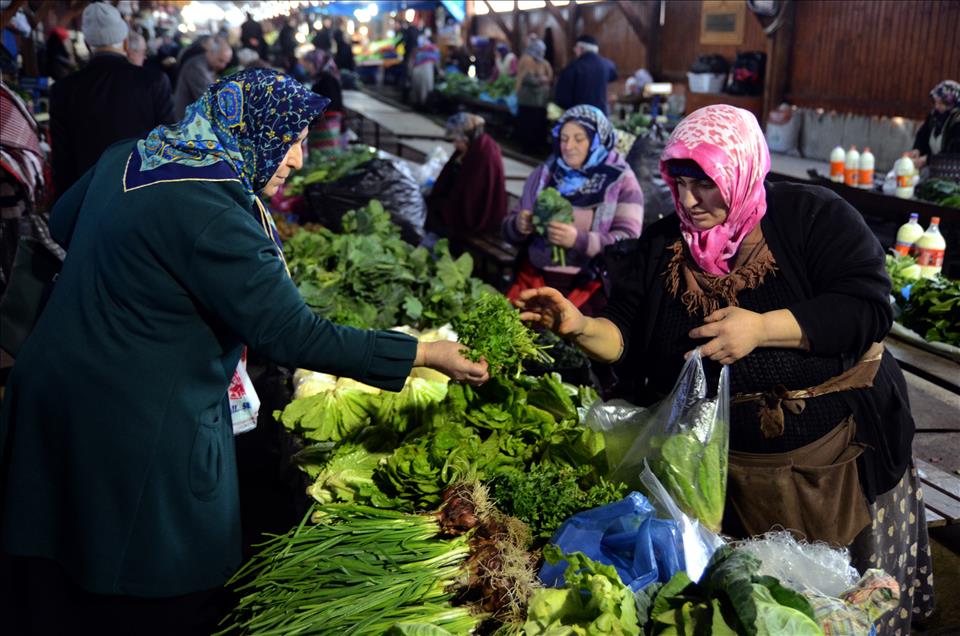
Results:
<point x="813" y="491"/>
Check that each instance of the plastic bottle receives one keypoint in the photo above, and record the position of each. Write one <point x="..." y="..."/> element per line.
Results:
<point x="904" y="171"/>
<point x="908" y="234"/>
<point x="930" y="249"/>
<point x="851" y="167"/>
<point x="837" y="159"/>
<point x="865" y="177"/>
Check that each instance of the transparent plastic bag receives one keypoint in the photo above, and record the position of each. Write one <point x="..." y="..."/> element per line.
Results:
<point x="684" y="438"/>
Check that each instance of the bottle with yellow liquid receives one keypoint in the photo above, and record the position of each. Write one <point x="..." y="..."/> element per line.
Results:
<point x="907" y="235"/>
<point x="930" y="249"/>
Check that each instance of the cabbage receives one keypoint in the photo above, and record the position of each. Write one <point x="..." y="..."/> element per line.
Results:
<point x="329" y="416"/>
<point x="414" y="405"/>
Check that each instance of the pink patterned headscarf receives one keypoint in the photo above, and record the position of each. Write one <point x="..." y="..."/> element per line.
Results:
<point x="728" y="145"/>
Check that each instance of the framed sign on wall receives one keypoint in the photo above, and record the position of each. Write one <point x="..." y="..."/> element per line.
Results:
<point x="721" y="21"/>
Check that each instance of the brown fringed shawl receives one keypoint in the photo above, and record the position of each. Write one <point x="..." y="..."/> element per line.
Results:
<point x="705" y="293"/>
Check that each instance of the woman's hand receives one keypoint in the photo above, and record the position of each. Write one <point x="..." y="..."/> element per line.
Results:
<point x="524" y="222"/>
<point x="551" y="310"/>
<point x="445" y="357"/>
<point x="734" y="333"/>
<point x="562" y="234"/>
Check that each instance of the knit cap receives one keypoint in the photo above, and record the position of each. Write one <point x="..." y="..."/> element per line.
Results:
<point x="103" y="25"/>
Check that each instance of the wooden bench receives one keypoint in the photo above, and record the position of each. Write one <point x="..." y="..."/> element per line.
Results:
<point x="494" y="259"/>
<point x="941" y="494"/>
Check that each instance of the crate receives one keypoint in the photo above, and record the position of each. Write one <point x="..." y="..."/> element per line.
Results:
<point x="945" y="166"/>
<point x="706" y="82"/>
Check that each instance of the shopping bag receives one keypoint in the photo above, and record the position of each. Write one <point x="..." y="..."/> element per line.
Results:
<point x="35" y="268"/>
<point x="684" y="438"/>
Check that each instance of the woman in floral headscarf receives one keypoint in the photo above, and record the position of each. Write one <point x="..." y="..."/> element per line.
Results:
<point x="118" y="476"/>
<point x="940" y="133"/>
<point x="785" y="283"/>
<point x="607" y="207"/>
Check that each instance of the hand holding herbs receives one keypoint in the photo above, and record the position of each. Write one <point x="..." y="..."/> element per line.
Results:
<point x="493" y="331"/>
<point x="448" y="358"/>
<point x="551" y="206"/>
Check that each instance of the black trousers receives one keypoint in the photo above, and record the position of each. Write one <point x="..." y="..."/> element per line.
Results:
<point x="37" y="598"/>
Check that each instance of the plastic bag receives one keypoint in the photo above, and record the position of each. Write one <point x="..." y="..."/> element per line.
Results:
<point x="426" y="173"/>
<point x="697" y="543"/>
<point x="685" y="439"/>
<point x="625" y="534"/>
<point x="816" y="567"/>
<point x="386" y="180"/>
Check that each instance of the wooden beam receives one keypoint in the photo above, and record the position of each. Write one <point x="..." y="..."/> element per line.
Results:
<point x="507" y="31"/>
<point x="557" y="15"/>
<point x="779" y="59"/>
<point x="517" y="32"/>
<point x="635" y="22"/>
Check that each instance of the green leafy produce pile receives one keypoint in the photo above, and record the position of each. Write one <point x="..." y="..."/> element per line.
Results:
<point x="940" y="191"/>
<point x="593" y="602"/>
<point x="933" y="310"/>
<point x="903" y="271"/>
<point x="636" y="123"/>
<point x="695" y="474"/>
<point x="328" y="166"/>
<point x="552" y="206"/>
<point x="368" y="277"/>
<point x="730" y="599"/>
<point x="457" y="84"/>
<point x="403" y="450"/>
<point x="460" y="85"/>
<point x="502" y="87"/>
<point x="493" y="331"/>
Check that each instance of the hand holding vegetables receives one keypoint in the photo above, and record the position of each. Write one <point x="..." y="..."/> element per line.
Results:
<point x="445" y="356"/>
<point x="562" y="234"/>
<point x="524" y="222"/>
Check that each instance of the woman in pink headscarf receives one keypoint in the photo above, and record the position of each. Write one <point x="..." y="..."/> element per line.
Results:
<point x="785" y="284"/>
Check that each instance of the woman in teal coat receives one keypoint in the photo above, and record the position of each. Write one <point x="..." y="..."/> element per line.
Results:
<point x="117" y="467"/>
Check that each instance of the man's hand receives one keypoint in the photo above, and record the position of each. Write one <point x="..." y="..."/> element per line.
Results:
<point x="446" y="357"/>
<point x="734" y="333"/>
<point x="562" y="234"/>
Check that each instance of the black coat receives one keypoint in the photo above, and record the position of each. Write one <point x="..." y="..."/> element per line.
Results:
<point x="951" y="135"/>
<point x="106" y="102"/>
<point x="833" y="263"/>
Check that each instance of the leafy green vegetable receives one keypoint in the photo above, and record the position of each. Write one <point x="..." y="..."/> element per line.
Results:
<point x="348" y="477"/>
<point x="933" y="310"/>
<point x="695" y="474"/>
<point x="328" y="166"/>
<point x="937" y="190"/>
<point x="731" y="598"/>
<point x="368" y="277"/>
<point x="594" y="601"/>
<point x="493" y="331"/>
<point x="903" y="271"/>
<point x="552" y="206"/>
<point x="545" y="495"/>
<point x="328" y="416"/>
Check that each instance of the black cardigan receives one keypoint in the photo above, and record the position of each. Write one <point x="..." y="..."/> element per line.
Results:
<point x="833" y="262"/>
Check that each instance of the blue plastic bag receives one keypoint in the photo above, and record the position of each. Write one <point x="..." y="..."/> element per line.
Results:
<point x="625" y="534"/>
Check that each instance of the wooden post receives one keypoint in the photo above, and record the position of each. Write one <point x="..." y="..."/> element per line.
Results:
<point x="507" y="31"/>
<point x="779" y="50"/>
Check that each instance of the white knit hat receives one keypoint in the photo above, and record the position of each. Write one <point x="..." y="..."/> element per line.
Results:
<point x="103" y="25"/>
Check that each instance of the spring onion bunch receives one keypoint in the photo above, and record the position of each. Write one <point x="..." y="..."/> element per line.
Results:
<point x="355" y="570"/>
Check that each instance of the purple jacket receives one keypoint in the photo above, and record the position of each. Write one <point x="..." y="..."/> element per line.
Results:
<point x="620" y="216"/>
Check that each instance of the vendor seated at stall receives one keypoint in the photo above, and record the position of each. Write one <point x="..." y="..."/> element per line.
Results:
<point x="940" y="132"/>
<point x="607" y="207"/>
<point x="469" y="197"/>
<point x="322" y="70"/>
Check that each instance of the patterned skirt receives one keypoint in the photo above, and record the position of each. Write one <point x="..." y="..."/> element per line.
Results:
<point x="896" y="541"/>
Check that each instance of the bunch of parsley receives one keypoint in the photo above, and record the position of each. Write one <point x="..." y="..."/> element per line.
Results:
<point x="493" y="331"/>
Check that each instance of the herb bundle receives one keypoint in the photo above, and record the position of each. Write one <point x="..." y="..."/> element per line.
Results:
<point x="492" y="329"/>
<point x="551" y="206"/>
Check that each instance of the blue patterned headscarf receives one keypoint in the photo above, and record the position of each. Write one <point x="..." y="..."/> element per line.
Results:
<point x="585" y="186"/>
<point x="248" y="120"/>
